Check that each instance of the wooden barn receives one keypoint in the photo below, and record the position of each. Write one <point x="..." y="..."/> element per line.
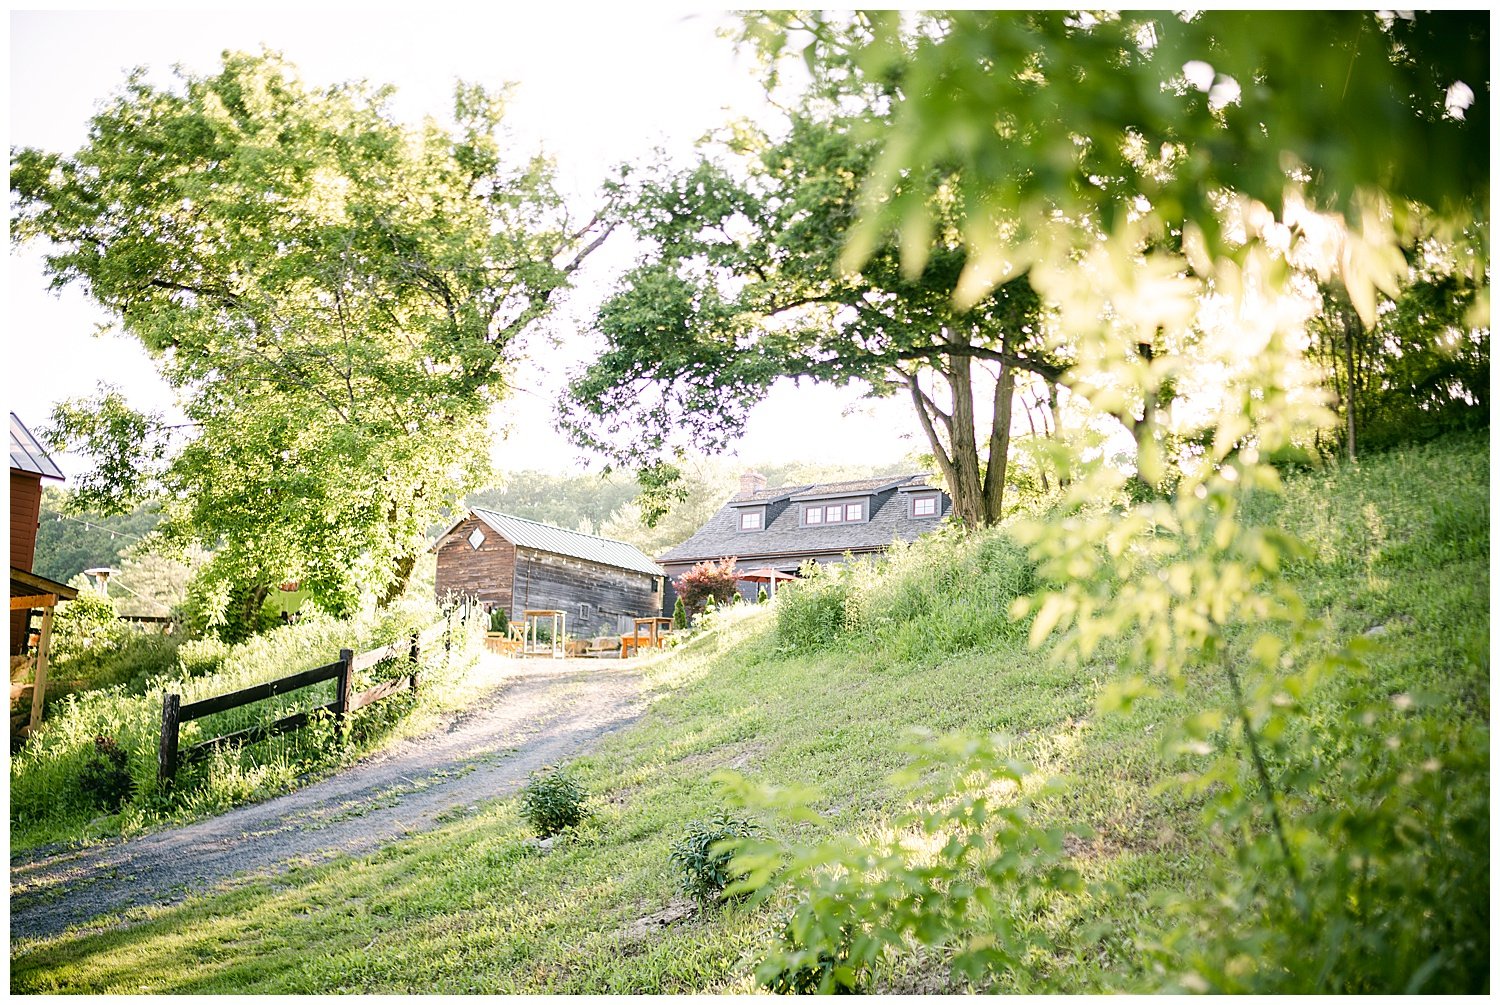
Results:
<point x="29" y="464"/>
<point x="521" y="565"/>
<point x="29" y="593"/>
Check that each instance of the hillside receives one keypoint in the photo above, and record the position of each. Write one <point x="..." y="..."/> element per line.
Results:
<point x="820" y="692"/>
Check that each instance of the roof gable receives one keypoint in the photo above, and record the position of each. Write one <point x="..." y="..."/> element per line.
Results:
<point x="26" y="454"/>
<point x="525" y="533"/>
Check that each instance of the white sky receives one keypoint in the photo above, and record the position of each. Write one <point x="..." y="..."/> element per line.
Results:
<point x="597" y="86"/>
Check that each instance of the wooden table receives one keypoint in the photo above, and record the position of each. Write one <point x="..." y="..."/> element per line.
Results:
<point x="556" y="648"/>
<point x="648" y="634"/>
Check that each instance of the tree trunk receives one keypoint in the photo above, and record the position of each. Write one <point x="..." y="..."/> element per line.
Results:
<point x="977" y="497"/>
<point x="967" y="490"/>
<point x="999" y="459"/>
<point x="405" y="563"/>
<point x="255" y="599"/>
<point x="1349" y="324"/>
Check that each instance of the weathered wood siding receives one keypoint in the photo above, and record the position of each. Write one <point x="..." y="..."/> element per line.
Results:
<point x="488" y="572"/>
<point x="25" y="509"/>
<point x="545" y="581"/>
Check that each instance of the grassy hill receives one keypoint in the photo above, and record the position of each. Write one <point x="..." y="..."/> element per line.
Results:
<point x="821" y="691"/>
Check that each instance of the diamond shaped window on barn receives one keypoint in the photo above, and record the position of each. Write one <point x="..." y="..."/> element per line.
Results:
<point x="476" y="538"/>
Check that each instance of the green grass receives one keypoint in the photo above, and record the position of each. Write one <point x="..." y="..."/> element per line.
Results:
<point x="48" y="805"/>
<point x="1399" y="546"/>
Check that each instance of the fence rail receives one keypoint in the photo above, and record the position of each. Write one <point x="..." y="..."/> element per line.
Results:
<point x="174" y="713"/>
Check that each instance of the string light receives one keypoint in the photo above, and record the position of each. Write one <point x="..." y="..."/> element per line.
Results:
<point x="93" y="526"/>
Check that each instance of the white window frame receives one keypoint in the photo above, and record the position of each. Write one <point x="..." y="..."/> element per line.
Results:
<point x="850" y="516"/>
<point x="918" y="502"/>
<point x="812" y="516"/>
<point x="752" y="519"/>
<point x="834" y="513"/>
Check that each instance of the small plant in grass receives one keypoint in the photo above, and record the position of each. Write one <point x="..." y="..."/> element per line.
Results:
<point x="704" y="855"/>
<point x="552" y="802"/>
<point x="105" y="777"/>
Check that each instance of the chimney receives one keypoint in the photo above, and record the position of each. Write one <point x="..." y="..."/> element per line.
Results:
<point x="751" y="482"/>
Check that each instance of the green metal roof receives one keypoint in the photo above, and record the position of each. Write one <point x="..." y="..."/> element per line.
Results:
<point x="554" y="540"/>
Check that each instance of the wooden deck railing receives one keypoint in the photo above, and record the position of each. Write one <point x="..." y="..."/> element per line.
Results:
<point x="174" y="713"/>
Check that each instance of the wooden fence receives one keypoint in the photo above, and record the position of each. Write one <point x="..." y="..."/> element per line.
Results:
<point x="349" y="663"/>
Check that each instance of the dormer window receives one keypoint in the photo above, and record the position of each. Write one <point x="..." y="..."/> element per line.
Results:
<point x="752" y="519"/>
<point x="926" y="505"/>
<point x="814" y="514"/>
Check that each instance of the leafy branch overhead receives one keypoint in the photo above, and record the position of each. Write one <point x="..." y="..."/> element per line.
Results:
<point x="741" y="287"/>
<point x="334" y="296"/>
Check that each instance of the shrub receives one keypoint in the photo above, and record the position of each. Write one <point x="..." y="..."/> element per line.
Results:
<point x="83" y="628"/>
<point x="797" y="971"/>
<point x="811" y="613"/>
<point x="499" y="620"/>
<point x="105" y="777"/>
<point x="707" y="581"/>
<point x="679" y="616"/>
<point x="762" y="597"/>
<point x="703" y="858"/>
<point x="552" y="802"/>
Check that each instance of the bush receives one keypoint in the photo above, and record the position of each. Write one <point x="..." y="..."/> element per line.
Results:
<point x="708" y="581"/>
<point x="83" y="628"/>
<point x="821" y="970"/>
<point x="679" y="616"/>
<point x="105" y="778"/>
<point x="762" y="597"/>
<point x="704" y="861"/>
<point x="552" y="802"/>
<point x="499" y="620"/>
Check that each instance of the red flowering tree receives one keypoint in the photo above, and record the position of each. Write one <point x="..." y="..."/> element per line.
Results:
<point x="707" y="579"/>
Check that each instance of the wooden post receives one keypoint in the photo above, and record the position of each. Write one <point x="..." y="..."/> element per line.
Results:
<point x="345" y="679"/>
<point x="39" y="687"/>
<point x="416" y="654"/>
<point x="166" y="752"/>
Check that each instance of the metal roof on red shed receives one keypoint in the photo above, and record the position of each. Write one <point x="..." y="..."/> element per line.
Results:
<point x="26" y="454"/>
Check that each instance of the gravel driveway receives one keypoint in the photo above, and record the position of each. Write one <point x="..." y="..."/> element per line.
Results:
<point x="539" y="713"/>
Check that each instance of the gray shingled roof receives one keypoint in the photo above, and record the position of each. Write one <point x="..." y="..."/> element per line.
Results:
<point x="721" y="537"/>
<point x="556" y="541"/>
<point x="26" y="454"/>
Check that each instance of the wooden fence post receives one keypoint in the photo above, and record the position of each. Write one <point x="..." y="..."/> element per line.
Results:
<point x="345" y="679"/>
<point x="416" y="654"/>
<point x="39" y="683"/>
<point x="166" y="753"/>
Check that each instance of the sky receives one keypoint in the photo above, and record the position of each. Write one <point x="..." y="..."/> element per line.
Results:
<point x="596" y="86"/>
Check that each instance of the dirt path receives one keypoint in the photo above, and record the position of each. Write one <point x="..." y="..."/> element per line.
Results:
<point x="538" y="713"/>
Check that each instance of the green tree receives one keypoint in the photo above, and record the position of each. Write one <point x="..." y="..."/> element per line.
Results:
<point x="744" y="286"/>
<point x="1420" y="370"/>
<point x="1167" y="183"/>
<point x="69" y="540"/>
<point x="332" y="294"/>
